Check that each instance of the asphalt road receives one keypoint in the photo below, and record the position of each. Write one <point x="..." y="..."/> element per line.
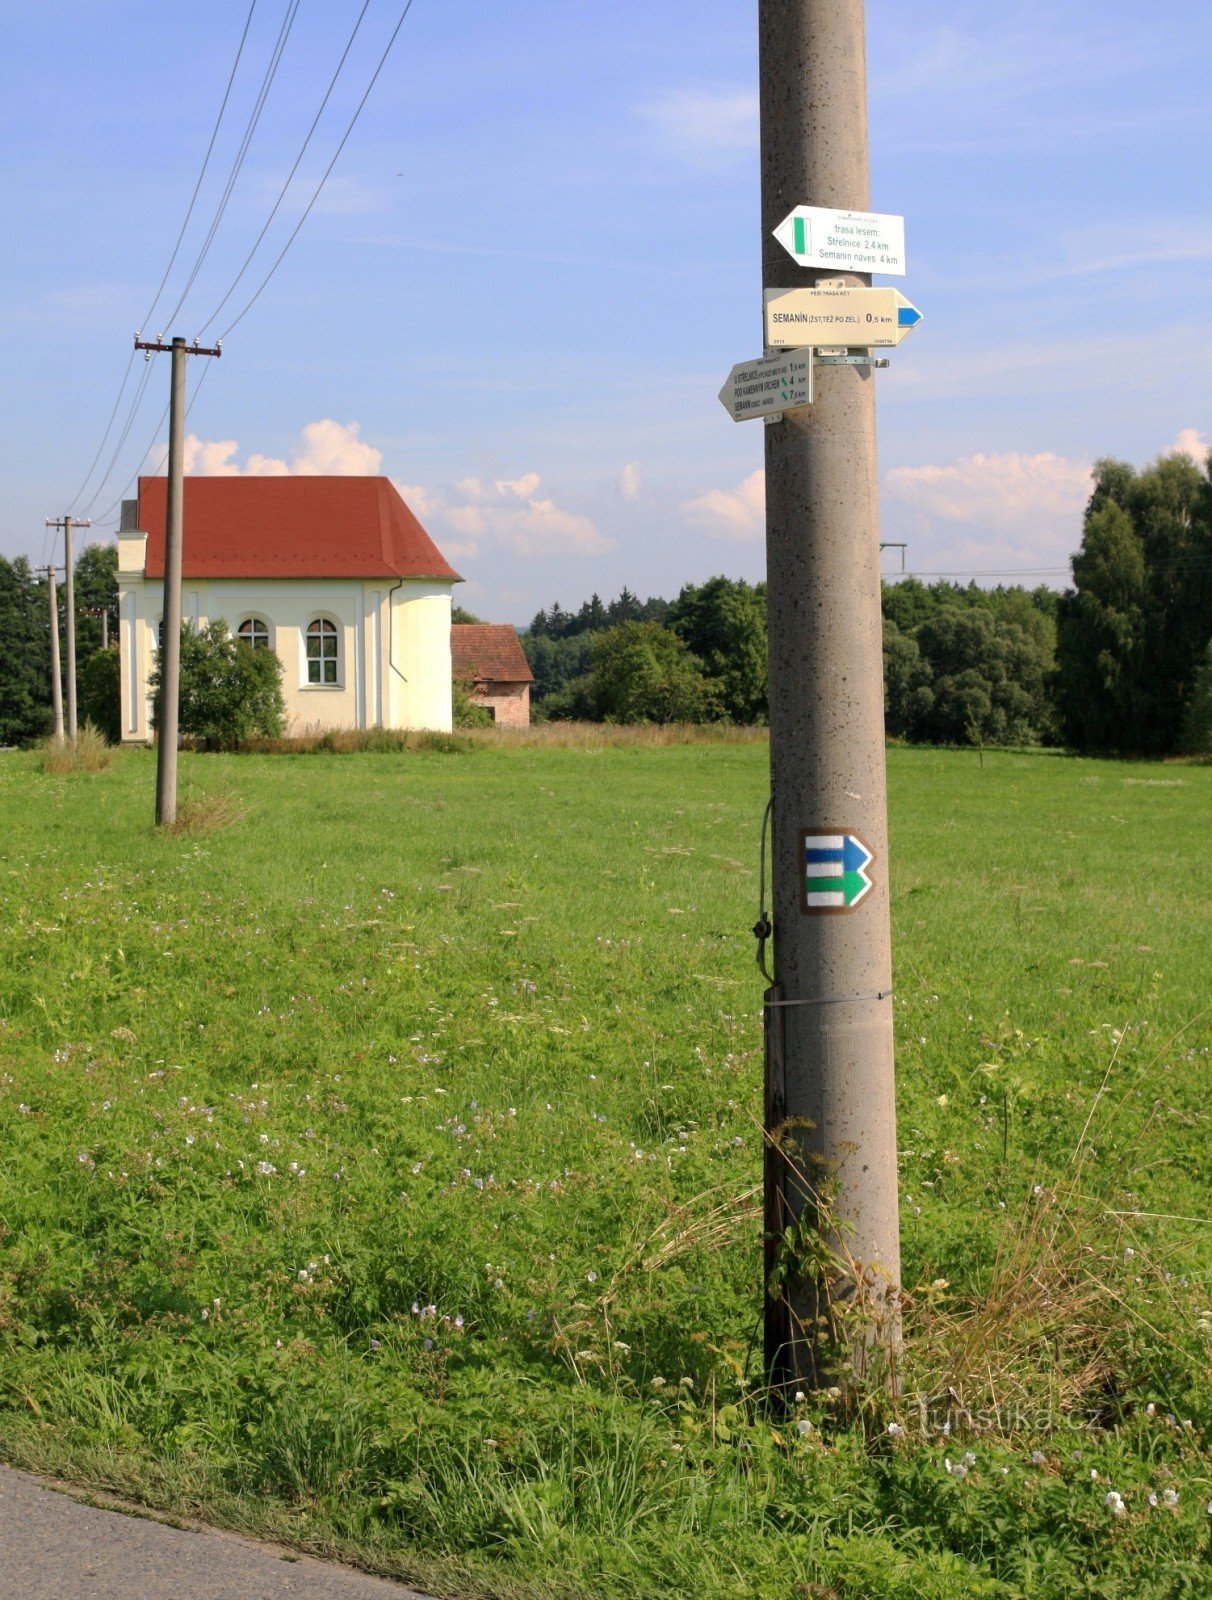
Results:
<point x="54" y="1548"/>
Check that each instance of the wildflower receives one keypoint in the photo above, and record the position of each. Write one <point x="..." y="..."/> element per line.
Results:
<point x="266" y="1168"/>
<point x="1115" y="1504"/>
<point x="376" y="1344"/>
<point x="1094" y="1474"/>
<point x="1170" y="1497"/>
<point x="803" y="1427"/>
<point x="895" y="1429"/>
<point x="458" y="1321"/>
<point x="1038" y="1458"/>
<point x="591" y="1276"/>
<point x="800" y="1397"/>
<point x="658" y="1383"/>
<point x="1153" y="1497"/>
<point x="956" y="1469"/>
<point x="1129" y="1252"/>
<point x="686" y="1383"/>
<point x="1150" y="1410"/>
<point x="968" y="1460"/>
<point x="205" y="1314"/>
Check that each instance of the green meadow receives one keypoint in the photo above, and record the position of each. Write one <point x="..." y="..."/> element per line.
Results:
<point x="381" y="1169"/>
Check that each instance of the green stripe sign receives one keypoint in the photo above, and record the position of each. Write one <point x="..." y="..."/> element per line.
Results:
<point x="834" y="867"/>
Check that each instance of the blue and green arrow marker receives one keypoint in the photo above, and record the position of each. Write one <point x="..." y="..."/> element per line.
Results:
<point x="834" y="871"/>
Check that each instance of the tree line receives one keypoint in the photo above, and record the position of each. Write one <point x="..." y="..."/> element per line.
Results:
<point x="25" y="679"/>
<point x="1121" y="662"/>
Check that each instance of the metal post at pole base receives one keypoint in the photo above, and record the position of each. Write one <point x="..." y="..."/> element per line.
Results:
<point x="832" y="961"/>
<point x="775" y="1217"/>
<point x="170" y="649"/>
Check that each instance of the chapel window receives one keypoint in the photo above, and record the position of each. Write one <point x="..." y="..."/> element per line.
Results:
<point x="254" y="633"/>
<point x="322" y="649"/>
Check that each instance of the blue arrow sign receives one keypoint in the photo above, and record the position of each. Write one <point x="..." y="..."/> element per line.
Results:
<point x="907" y="316"/>
<point x="834" y="867"/>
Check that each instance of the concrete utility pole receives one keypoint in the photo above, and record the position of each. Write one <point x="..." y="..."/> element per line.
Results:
<point x="56" y="671"/>
<point x="168" y="701"/>
<point x="69" y="525"/>
<point x="830" y="1086"/>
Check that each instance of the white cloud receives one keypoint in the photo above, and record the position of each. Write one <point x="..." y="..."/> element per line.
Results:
<point x="738" y="513"/>
<point x="325" y="447"/>
<point x="508" y="514"/>
<point x="705" y="122"/>
<point x="1190" y="442"/>
<point x="988" y="507"/>
<point x="631" y="480"/>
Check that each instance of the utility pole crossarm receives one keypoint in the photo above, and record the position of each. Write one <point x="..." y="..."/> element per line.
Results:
<point x="158" y="347"/>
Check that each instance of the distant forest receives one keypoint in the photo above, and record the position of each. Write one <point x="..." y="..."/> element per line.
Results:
<point x="1121" y="662"/>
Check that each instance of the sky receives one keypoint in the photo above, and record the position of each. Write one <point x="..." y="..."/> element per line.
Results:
<point x="537" y="258"/>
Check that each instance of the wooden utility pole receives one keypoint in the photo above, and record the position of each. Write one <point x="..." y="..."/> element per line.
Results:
<point x="56" y="671"/>
<point x="830" y="1097"/>
<point x="69" y="525"/>
<point x="168" y="701"/>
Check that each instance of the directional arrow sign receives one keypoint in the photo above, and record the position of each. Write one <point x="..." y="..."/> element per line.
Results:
<point x="768" y="385"/>
<point x="851" y="241"/>
<point x="834" y="866"/>
<point x="838" y="316"/>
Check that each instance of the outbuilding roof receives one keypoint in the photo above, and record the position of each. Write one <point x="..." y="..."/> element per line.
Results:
<point x="292" y="527"/>
<point x="488" y="651"/>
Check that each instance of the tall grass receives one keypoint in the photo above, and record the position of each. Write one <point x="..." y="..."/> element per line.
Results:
<point x="90" y="753"/>
<point x="383" y="1173"/>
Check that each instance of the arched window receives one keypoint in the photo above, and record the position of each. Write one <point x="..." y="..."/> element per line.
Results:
<point x="323" y="643"/>
<point x="254" y="633"/>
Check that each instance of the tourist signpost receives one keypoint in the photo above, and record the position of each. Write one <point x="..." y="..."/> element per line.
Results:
<point x="769" y="385"/>
<point x="847" y="241"/>
<point x="839" y="314"/>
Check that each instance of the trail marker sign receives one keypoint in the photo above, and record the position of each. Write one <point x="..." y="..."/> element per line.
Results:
<point x="769" y="385"/>
<point x="838" y="316"/>
<point x="850" y="241"/>
<point x="834" y="871"/>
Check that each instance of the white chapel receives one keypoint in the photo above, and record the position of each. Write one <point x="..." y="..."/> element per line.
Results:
<point x="335" y="574"/>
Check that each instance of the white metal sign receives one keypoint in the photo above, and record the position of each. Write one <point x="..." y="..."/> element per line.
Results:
<point x="855" y="318"/>
<point x="850" y="241"/>
<point x="769" y="385"/>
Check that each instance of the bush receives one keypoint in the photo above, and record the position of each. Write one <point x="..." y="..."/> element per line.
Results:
<point x="229" y="691"/>
<point x="465" y="712"/>
<point x="100" y="692"/>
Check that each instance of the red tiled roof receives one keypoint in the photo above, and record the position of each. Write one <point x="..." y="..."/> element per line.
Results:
<point x="489" y="651"/>
<point x="292" y="527"/>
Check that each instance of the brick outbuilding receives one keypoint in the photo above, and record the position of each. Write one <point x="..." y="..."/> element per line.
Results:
<point x="488" y="658"/>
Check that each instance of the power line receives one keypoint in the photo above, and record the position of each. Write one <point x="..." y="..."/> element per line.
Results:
<point x="130" y="418"/>
<point x="327" y="171"/>
<point x="290" y="176"/>
<point x="205" y="164"/>
<point x="172" y="259"/>
<point x="271" y="73"/>
<point x="114" y="504"/>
